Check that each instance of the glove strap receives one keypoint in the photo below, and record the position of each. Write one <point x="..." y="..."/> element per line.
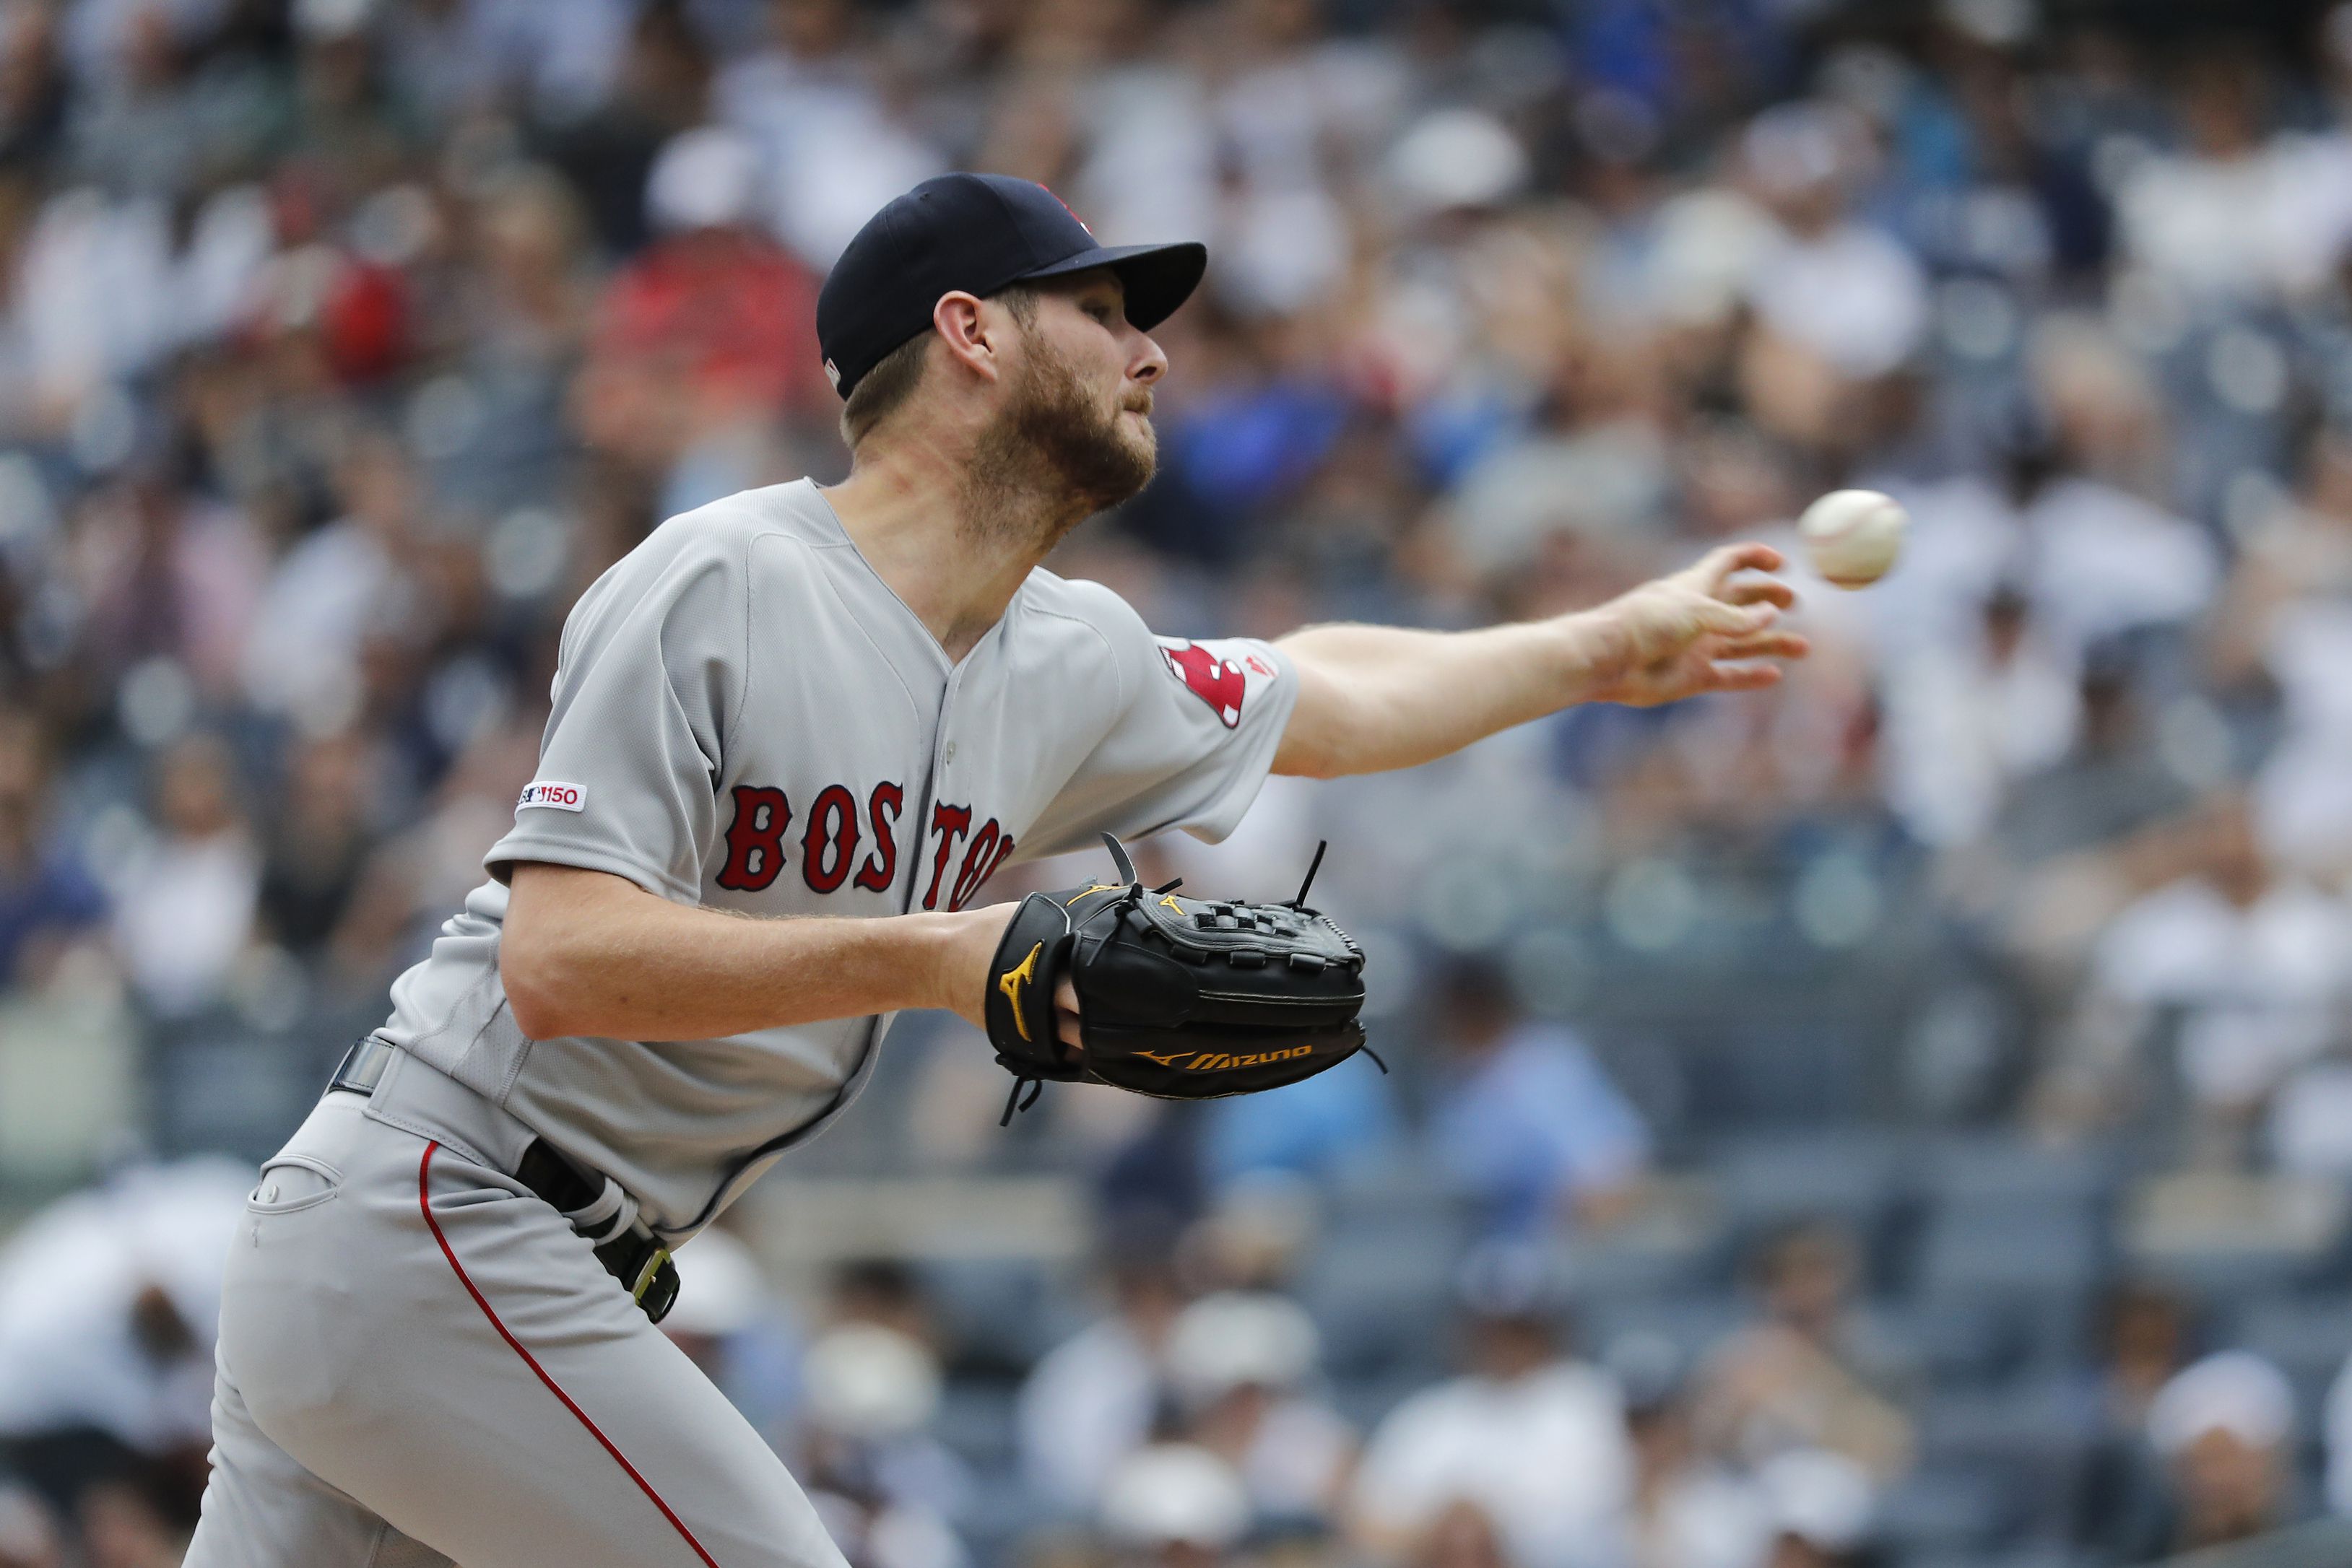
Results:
<point x="1014" y="1101"/>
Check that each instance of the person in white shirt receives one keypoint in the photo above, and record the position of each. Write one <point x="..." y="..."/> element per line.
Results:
<point x="1092" y="1399"/>
<point x="1533" y="1437"/>
<point x="1243" y="1363"/>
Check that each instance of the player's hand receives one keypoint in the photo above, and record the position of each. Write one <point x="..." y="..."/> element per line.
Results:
<point x="1710" y="627"/>
<point x="970" y="947"/>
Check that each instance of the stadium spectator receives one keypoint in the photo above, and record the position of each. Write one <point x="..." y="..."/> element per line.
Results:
<point x="1810" y="1374"/>
<point x="888" y="1490"/>
<point x="1530" y="1436"/>
<point x="1099" y="1395"/>
<point x="185" y="903"/>
<point x="2146" y="1335"/>
<point x="1820" y="1507"/>
<point x="2225" y="1430"/>
<point x="2249" y="962"/>
<point x="1241" y="1365"/>
<point x="346" y="584"/>
<point x="107" y="1301"/>
<point x="1173" y="1505"/>
<point x="709" y="335"/>
<point x="317" y="843"/>
<point x="47" y="895"/>
<point x="1689" y="1509"/>
<point x="1526" y="1121"/>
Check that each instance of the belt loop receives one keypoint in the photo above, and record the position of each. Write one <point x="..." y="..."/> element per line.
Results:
<point x="362" y="1067"/>
<point x="613" y="1212"/>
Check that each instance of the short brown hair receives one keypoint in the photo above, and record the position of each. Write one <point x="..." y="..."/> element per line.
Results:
<point x="894" y="378"/>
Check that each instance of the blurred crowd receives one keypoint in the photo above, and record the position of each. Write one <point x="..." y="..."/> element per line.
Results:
<point x="1905" y="1117"/>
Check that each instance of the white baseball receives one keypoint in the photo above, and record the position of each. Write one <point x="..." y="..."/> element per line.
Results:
<point x="1853" y="535"/>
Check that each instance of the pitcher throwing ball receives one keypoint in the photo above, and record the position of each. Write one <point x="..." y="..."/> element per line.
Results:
<point x="796" y="733"/>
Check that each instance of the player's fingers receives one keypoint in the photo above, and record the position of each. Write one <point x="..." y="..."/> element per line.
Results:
<point x="1759" y="591"/>
<point x="1742" y="677"/>
<point x="1722" y="561"/>
<point x="1734" y="620"/>
<point x="1066" y="1023"/>
<point x="1771" y="645"/>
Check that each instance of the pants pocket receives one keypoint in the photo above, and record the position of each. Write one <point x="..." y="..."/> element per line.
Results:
<point x="293" y="1182"/>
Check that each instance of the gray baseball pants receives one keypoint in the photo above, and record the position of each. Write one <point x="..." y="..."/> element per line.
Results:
<point x="420" y="1363"/>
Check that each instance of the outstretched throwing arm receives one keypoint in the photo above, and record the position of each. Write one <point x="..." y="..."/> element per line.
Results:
<point x="1372" y="698"/>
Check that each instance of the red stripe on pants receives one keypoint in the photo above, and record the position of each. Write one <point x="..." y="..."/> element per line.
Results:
<point x="424" y="1174"/>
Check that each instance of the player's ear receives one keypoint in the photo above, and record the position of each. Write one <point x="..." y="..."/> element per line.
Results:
<point x="962" y="321"/>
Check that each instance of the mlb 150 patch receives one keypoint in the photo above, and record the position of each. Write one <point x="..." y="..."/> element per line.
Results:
<point x="548" y="792"/>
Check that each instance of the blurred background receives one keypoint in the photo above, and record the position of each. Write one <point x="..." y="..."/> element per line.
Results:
<point x="1903" y="1120"/>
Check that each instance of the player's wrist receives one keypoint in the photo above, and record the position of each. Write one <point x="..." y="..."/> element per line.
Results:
<point x="936" y="951"/>
<point x="956" y="947"/>
<point x="1585" y="650"/>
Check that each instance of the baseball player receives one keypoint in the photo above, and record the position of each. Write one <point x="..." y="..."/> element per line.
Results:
<point x="794" y="733"/>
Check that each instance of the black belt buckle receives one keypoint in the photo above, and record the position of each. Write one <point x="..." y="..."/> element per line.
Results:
<point x="643" y="1265"/>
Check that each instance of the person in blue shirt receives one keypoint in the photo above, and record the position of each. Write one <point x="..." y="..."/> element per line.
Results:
<point x="1525" y="1120"/>
<point x="45" y="893"/>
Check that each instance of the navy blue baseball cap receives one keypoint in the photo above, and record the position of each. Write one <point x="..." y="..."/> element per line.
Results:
<point x="978" y="234"/>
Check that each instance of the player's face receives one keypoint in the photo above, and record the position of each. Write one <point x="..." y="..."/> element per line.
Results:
<point x="1082" y="398"/>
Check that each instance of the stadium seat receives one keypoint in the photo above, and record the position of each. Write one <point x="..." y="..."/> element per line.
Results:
<point x="1382" y="1295"/>
<point x="1957" y="1343"/>
<point x="1999" y="1170"/>
<point x="999" y="1312"/>
<point x="1949" y="1512"/>
<point x="975" y="1420"/>
<point x="2032" y="1434"/>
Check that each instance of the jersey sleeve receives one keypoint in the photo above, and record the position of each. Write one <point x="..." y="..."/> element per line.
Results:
<point x="647" y="685"/>
<point x="1192" y="742"/>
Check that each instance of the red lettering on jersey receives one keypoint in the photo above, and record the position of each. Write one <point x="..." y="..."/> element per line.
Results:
<point x="755" y="840"/>
<point x="881" y="868"/>
<point x="829" y="848"/>
<point x="1217" y="682"/>
<point x="976" y="862"/>
<point x="951" y="823"/>
<point x="988" y="851"/>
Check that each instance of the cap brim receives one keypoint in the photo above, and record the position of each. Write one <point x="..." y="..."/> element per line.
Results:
<point x="1157" y="278"/>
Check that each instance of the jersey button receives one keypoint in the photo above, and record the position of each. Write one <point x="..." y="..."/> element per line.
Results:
<point x="949" y="754"/>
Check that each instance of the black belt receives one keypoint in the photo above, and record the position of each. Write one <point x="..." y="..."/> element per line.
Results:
<point x="633" y="1255"/>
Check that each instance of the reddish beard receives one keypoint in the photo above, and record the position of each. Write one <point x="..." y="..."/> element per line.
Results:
<point x="1055" y="435"/>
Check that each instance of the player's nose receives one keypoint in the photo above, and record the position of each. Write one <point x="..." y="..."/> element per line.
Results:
<point x="1149" y="364"/>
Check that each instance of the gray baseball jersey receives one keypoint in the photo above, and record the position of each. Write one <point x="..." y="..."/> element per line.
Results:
<point x="747" y="717"/>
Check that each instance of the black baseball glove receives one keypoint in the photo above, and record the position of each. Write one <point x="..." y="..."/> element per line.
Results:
<point x="1179" y="998"/>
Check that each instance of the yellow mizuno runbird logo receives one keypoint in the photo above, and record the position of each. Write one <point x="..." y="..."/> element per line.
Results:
<point x="1099" y="887"/>
<point x="1170" y="900"/>
<point x="1015" y="977"/>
